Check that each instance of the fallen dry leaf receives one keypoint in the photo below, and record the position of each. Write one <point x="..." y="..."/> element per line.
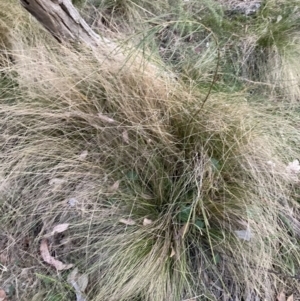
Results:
<point x="147" y="222"/>
<point x="79" y="283"/>
<point x="72" y="202"/>
<point x="58" y="229"/>
<point x="114" y="187"/>
<point x="106" y="118"/>
<point x="173" y="253"/>
<point x="128" y="221"/>
<point x="83" y="281"/>
<point x="125" y="137"/>
<point x="290" y="298"/>
<point x="2" y="295"/>
<point x="51" y="260"/>
<point x="83" y="155"/>
<point x="281" y="296"/>
<point x="73" y="275"/>
<point x="56" y="181"/>
<point x="79" y="295"/>
<point x="244" y="234"/>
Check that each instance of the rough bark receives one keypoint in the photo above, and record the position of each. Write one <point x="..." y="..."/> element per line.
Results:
<point x="63" y="21"/>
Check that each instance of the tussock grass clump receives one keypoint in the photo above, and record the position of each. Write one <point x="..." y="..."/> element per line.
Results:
<point x="281" y="69"/>
<point x="256" y="41"/>
<point x="172" y="191"/>
<point x="103" y="146"/>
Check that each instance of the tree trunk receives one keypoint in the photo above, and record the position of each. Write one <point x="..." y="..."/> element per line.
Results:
<point x="63" y="21"/>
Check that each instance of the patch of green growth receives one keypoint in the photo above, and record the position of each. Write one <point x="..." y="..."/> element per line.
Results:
<point x="54" y="289"/>
<point x="276" y="29"/>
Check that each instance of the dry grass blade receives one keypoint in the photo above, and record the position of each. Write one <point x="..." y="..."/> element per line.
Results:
<point x="161" y="204"/>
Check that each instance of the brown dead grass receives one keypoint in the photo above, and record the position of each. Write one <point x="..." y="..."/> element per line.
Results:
<point x="215" y="160"/>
